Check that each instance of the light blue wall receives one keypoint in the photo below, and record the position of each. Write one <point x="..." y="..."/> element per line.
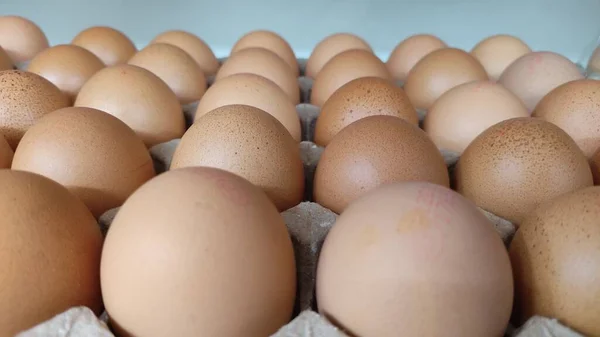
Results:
<point x="569" y="27"/>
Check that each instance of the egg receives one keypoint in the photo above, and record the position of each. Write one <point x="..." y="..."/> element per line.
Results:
<point x="109" y="44"/>
<point x="497" y="52"/>
<point x="343" y="68"/>
<point x="256" y="91"/>
<point x="414" y="259"/>
<point x="51" y="246"/>
<point x="535" y="74"/>
<point x="410" y="51"/>
<point x="137" y="97"/>
<point x="465" y="111"/>
<point x="265" y="63"/>
<point x="95" y="155"/>
<point x="250" y="143"/>
<point x="556" y="261"/>
<point x="175" y="67"/>
<point x="21" y="38"/>
<point x="270" y="41"/>
<point x="203" y="243"/>
<point x="519" y="163"/>
<point x="574" y="107"/>
<point x="66" y="66"/>
<point x="438" y="72"/>
<point x="371" y="152"/>
<point x="24" y="98"/>
<point x="329" y="47"/>
<point x="194" y="46"/>
<point x="5" y="62"/>
<point x="595" y="166"/>
<point x="359" y="98"/>
<point x="594" y="61"/>
<point x="6" y="153"/>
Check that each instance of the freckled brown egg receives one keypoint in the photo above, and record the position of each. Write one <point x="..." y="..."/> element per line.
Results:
<point x="515" y="165"/>
<point x="265" y="63"/>
<point x="250" y="143"/>
<point x="373" y="151"/>
<point x="192" y="45"/>
<point x="110" y="45"/>
<point x="343" y="68"/>
<point x="465" y="111"/>
<point x="6" y="153"/>
<point x="329" y="47"/>
<point x="410" y="51"/>
<point x="21" y="38"/>
<point x="440" y="71"/>
<point x="535" y="74"/>
<point x="66" y="66"/>
<point x="5" y="62"/>
<point x="137" y="97"/>
<point x="256" y="91"/>
<point x="24" y="98"/>
<point x="497" y="52"/>
<point x="270" y="41"/>
<point x="359" y="98"/>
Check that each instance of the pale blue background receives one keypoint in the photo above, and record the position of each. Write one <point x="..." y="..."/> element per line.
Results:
<point x="570" y="27"/>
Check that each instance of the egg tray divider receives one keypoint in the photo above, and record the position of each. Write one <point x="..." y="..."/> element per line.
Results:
<point x="308" y="223"/>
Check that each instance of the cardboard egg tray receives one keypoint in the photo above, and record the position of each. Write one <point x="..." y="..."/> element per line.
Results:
<point x="308" y="224"/>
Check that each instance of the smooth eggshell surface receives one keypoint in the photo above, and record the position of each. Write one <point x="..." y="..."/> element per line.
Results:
<point x="21" y="38"/>
<point x="109" y="44"/>
<point x="194" y="46"/>
<point x="497" y="52"/>
<point x="270" y="41"/>
<point x="6" y="153"/>
<point x="410" y="51"/>
<point x="329" y="47"/>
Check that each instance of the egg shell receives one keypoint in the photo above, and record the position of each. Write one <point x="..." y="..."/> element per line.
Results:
<point x="595" y="166"/>
<point x="271" y="41"/>
<point x="110" y="45"/>
<point x="21" y="38"/>
<point x="95" y="155"/>
<point x="343" y="68"/>
<point x="137" y="97"/>
<point x="329" y="47"/>
<point x="465" y="111"/>
<point x="24" y="98"/>
<point x="359" y="98"/>
<point x="51" y="247"/>
<point x="175" y="67"/>
<point x="374" y="151"/>
<point x="519" y="163"/>
<point x="440" y="71"/>
<point x="250" y="143"/>
<point x="265" y="63"/>
<point x="206" y="244"/>
<point x="410" y="51"/>
<point x="535" y="74"/>
<point x="574" y="107"/>
<point x="194" y="46"/>
<point x="68" y="67"/>
<point x="256" y="91"/>
<point x="415" y="259"/>
<point x="5" y="61"/>
<point x="6" y="153"/>
<point x="556" y="260"/>
<point x="497" y="52"/>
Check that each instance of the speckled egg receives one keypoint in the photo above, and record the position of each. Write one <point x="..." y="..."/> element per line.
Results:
<point x="194" y="46"/>
<point x="497" y="52"/>
<point x="21" y="38"/>
<point x="270" y="41"/>
<point x="109" y="44"/>
<point x="6" y="153"/>
<point x="329" y="47"/>
<point x="410" y="51"/>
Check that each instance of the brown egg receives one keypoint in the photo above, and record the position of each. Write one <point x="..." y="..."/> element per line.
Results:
<point x="595" y="166"/>
<point x="343" y="68"/>
<point x="329" y="47"/>
<point x="270" y="41"/>
<point x="51" y="246"/>
<point x="497" y="52"/>
<point x="24" y="98"/>
<point x="110" y="45"/>
<point x="95" y="155"/>
<point x="192" y="45"/>
<point x="465" y="111"/>
<point x="410" y="51"/>
<point x="137" y="97"/>
<point x="594" y="62"/>
<point x="256" y="91"/>
<point x="574" y="107"/>
<point x="250" y="143"/>
<point x="66" y="66"/>
<point x="519" y="163"/>
<point x="556" y="262"/>
<point x="6" y="153"/>
<point x="5" y="62"/>
<point x="360" y="98"/>
<point x="415" y="259"/>
<point x="265" y="63"/>
<point x="535" y="74"/>
<point x="175" y="67"/>
<point x="440" y="71"/>
<point x="207" y="245"/>
<point x="21" y="38"/>
<point x="374" y="151"/>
